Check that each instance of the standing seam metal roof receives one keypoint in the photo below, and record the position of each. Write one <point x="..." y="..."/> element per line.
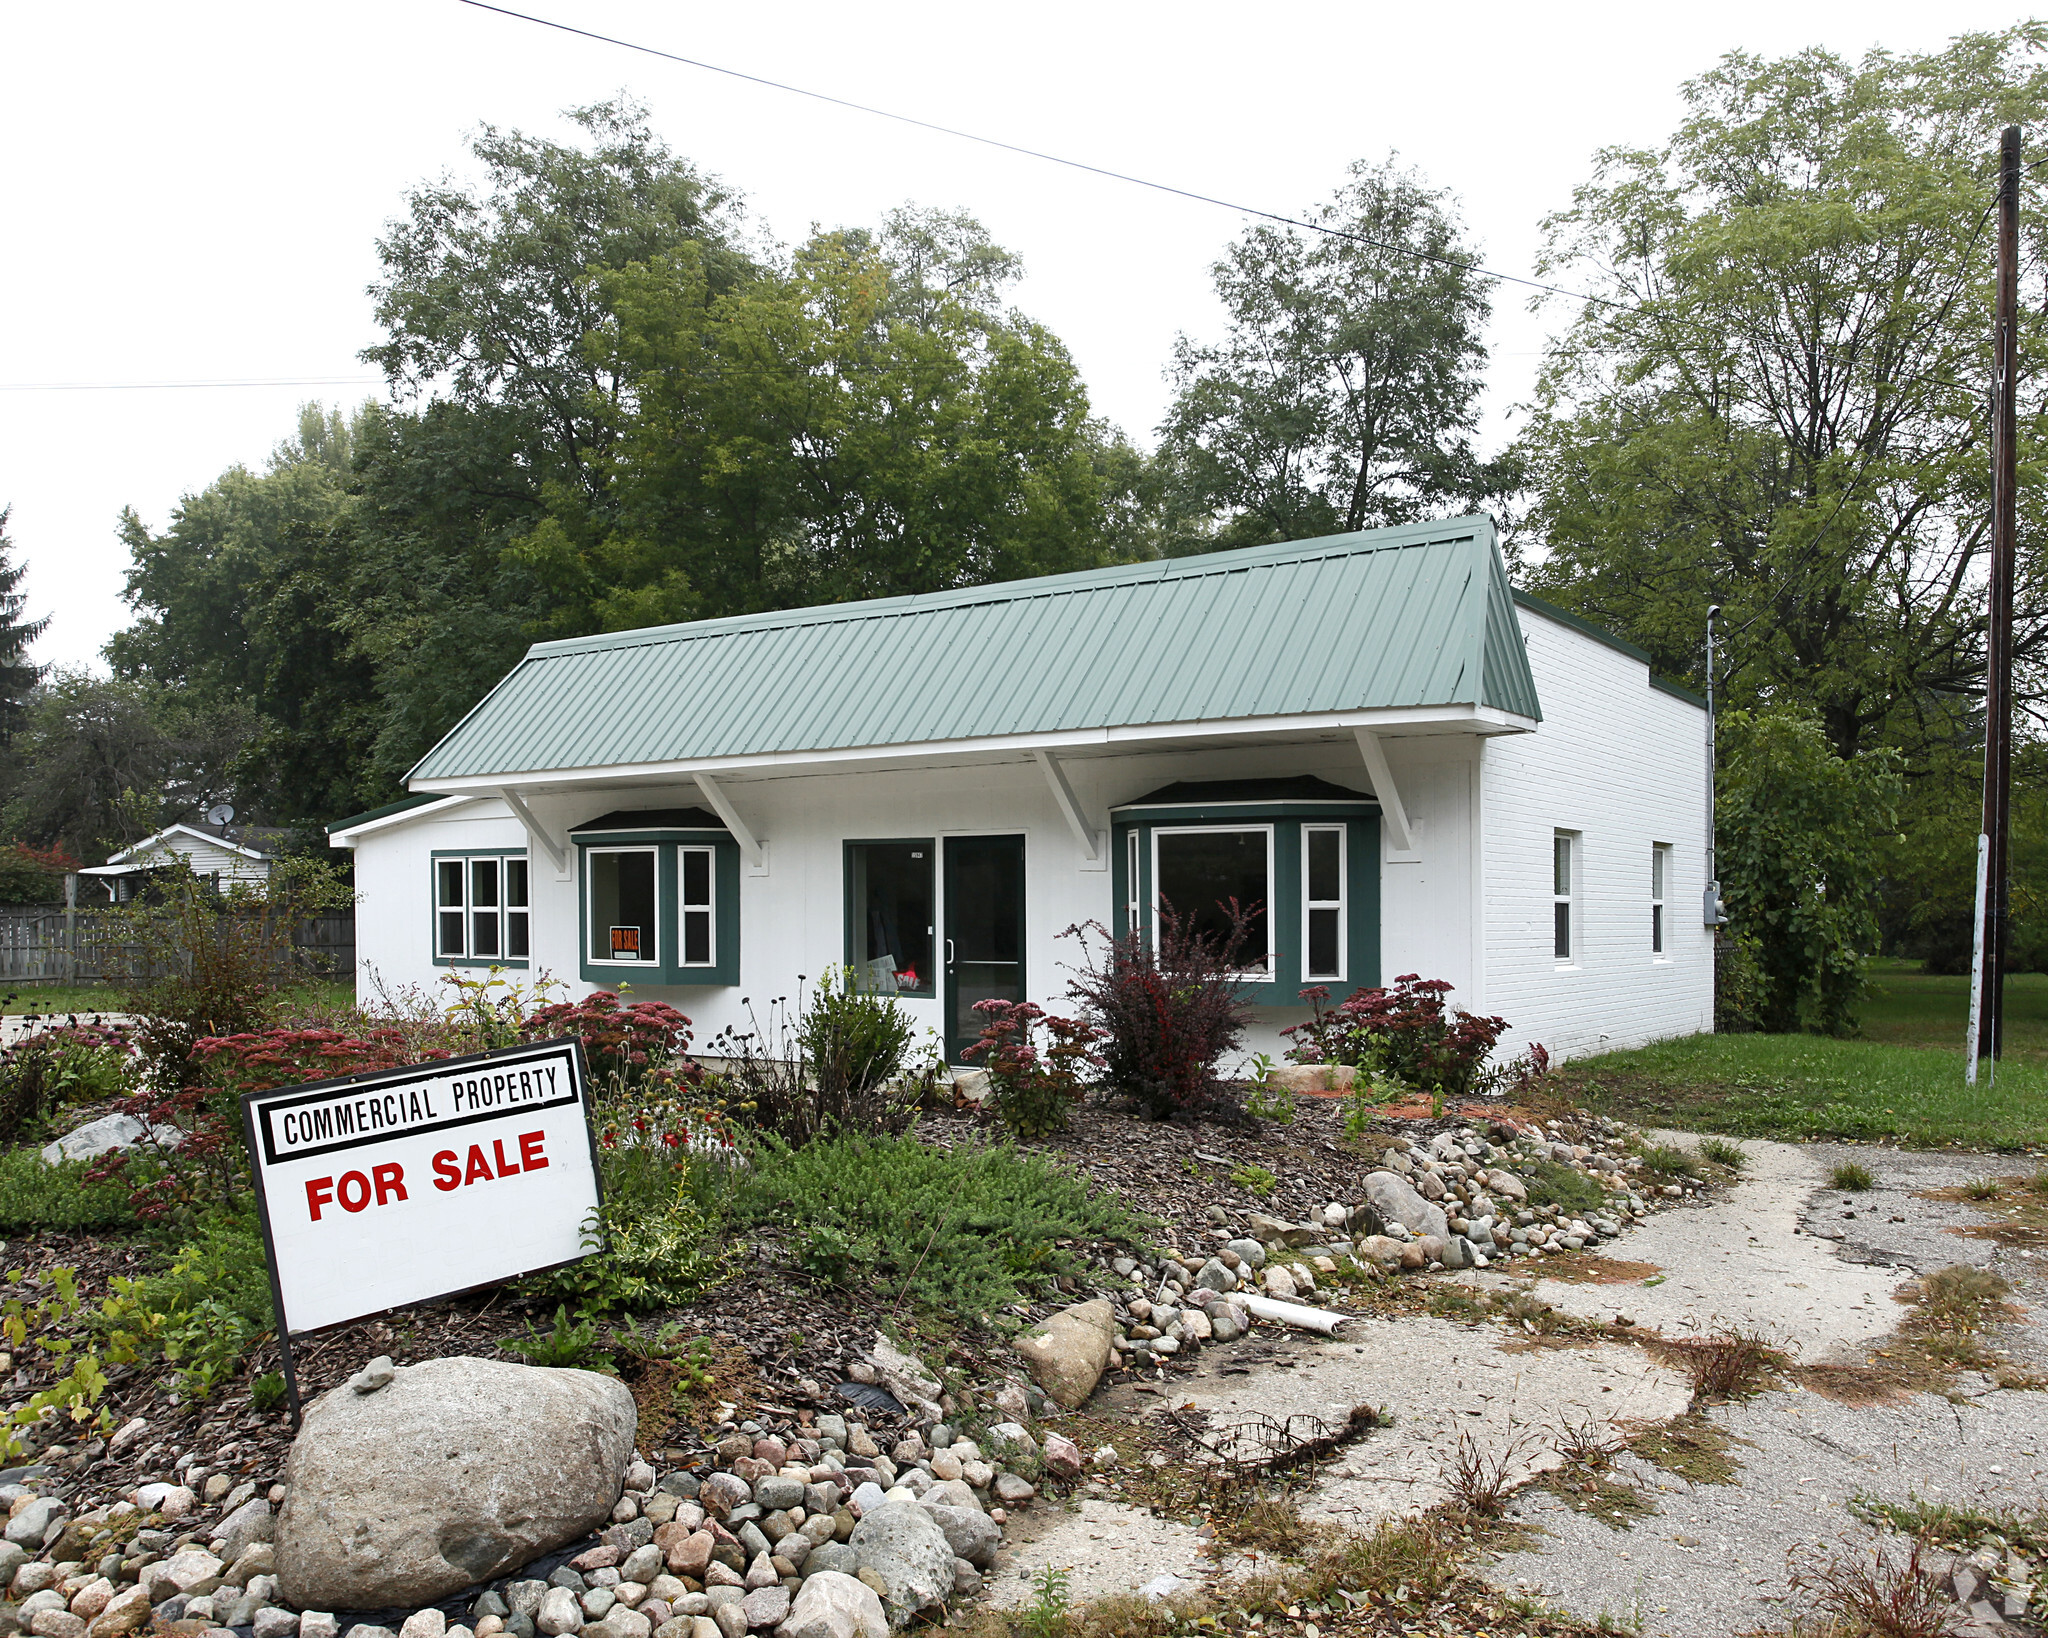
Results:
<point x="1419" y="615"/>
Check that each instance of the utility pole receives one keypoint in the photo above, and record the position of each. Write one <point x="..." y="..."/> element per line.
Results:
<point x="1987" y="1024"/>
<point x="1711" y="913"/>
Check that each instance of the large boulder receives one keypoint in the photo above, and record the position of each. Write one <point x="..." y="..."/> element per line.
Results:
<point x="454" y="1472"/>
<point x="970" y="1532"/>
<point x="1068" y="1351"/>
<point x="903" y="1545"/>
<point x="1397" y="1201"/>
<point x="832" y="1605"/>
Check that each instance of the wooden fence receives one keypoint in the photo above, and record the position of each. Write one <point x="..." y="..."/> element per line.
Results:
<point x="47" y="944"/>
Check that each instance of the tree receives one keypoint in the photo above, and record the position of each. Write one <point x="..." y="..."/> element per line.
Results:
<point x="248" y="602"/>
<point x="1801" y="836"/>
<point x="1345" y="392"/>
<point x="861" y="421"/>
<point x="107" y="761"/>
<point x="18" y="675"/>
<point x="1779" y="403"/>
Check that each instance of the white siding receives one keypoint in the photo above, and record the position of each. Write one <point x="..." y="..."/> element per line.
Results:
<point x="1624" y="765"/>
<point x="208" y="859"/>
<point x="1613" y="758"/>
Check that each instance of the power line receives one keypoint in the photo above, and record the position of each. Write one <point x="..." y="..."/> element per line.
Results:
<point x="1049" y="158"/>
<point x="185" y="386"/>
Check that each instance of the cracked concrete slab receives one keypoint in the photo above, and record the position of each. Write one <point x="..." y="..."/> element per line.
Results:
<point x="1107" y="1547"/>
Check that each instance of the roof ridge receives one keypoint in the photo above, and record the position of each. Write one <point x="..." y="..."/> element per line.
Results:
<point x="1392" y="538"/>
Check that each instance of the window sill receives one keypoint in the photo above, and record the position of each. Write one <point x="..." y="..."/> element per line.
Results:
<point x="509" y="963"/>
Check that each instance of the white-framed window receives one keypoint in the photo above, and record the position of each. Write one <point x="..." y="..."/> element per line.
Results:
<point x="1199" y="869"/>
<point x="482" y="908"/>
<point x="623" y="931"/>
<point x="1660" y="888"/>
<point x="1133" y="916"/>
<point x="695" y="867"/>
<point x="1566" y="867"/>
<point x="1322" y="887"/>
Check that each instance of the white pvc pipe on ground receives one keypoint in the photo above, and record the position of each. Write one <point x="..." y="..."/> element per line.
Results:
<point x="1293" y="1313"/>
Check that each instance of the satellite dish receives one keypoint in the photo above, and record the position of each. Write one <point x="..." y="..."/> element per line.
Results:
<point x="221" y="813"/>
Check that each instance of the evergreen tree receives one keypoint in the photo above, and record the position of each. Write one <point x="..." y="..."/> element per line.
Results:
<point x="18" y="675"/>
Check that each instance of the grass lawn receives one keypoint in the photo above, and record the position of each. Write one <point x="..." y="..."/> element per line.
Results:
<point x="60" y="999"/>
<point x="1902" y="1080"/>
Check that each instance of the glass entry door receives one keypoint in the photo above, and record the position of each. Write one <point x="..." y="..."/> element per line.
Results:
<point x="984" y="912"/>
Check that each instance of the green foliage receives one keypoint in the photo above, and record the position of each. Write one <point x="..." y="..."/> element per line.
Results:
<point x="962" y="1231"/>
<point x="1345" y="393"/>
<point x="202" y="1312"/>
<point x="1663" y="1160"/>
<point x="1255" y="1180"/>
<point x="18" y="674"/>
<point x="1799" y="861"/>
<point x="1723" y="1153"/>
<point x="1265" y="1100"/>
<point x="573" y="1343"/>
<point x="1047" y="1614"/>
<point x="1823" y="479"/>
<point x="28" y="874"/>
<point x="58" y="1067"/>
<point x="268" y="1393"/>
<point x="47" y="1326"/>
<point x="852" y="1034"/>
<point x="1551" y="1183"/>
<point x="34" y="1196"/>
<point x="1851" y="1177"/>
<point x="640" y="1259"/>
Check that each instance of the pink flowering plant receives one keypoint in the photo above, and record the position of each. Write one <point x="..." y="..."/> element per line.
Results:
<point x="1035" y="1086"/>
<point x="1406" y="1031"/>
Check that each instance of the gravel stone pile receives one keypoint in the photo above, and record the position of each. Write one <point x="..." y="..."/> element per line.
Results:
<point x="717" y="1550"/>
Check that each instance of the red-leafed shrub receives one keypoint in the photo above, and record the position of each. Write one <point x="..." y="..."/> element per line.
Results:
<point x="1168" y="1015"/>
<point x="620" y="1039"/>
<point x="1034" y="1087"/>
<point x="1407" y="1031"/>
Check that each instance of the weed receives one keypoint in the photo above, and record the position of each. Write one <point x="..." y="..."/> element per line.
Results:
<point x="1723" y="1153"/>
<point x="1589" y="1444"/>
<point x="1255" y="1180"/>
<point x="1876" y="1595"/>
<point x="1663" y="1160"/>
<point x="1733" y="1365"/>
<point x="1958" y="1527"/>
<point x="1692" y="1447"/>
<point x="1047" y="1614"/>
<point x="1551" y="1183"/>
<point x="1961" y="1298"/>
<point x="267" y="1393"/>
<point x="567" y="1342"/>
<point x="1269" y="1102"/>
<point x="1981" y="1188"/>
<point x="1851" y="1177"/>
<point x="1480" y="1479"/>
<point x="2038" y="1183"/>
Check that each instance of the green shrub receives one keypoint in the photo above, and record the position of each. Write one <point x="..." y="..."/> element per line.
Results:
<point x="267" y="1393"/>
<point x="1551" y="1183"/>
<point x="202" y="1313"/>
<point x="569" y="1343"/>
<point x="1662" y="1160"/>
<point x="35" y="1196"/>
<point x="961" y="1231"/>
<point x="1851" y="1177"/>
<point x="641" y="1260"/>
<point x="851" y="1035"/>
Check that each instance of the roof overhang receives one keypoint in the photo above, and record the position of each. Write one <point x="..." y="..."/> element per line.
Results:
<point x="1393" y="722"/>
<point x="348" y="836"/>
<point x="131" y="855"/>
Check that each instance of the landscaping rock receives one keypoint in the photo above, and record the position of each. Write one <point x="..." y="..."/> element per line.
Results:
<point x="831" y="1605"/>
<point x="971" y="1533"/>
<point x="28" y="1527"/>
<point x="103" y="1136"/>
<point x="1068" y="1351"/>
<point x="766" y="1606"/>
<point x="247" y="1525"/>
<point x="901" y="1543"/>
<point x="1062" y="1455"/>
<point x="1396" y="1200"/>
<point x="458" y="1470"/>
<point x="905" y="1376"/>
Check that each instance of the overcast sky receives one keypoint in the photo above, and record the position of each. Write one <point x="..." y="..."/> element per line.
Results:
<point x="193" y="193"/>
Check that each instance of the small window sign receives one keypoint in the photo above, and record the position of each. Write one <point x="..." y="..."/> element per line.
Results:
<point x="625" y="944"/>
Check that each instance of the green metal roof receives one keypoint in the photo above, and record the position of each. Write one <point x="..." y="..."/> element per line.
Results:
<point x="1420" y="615"/>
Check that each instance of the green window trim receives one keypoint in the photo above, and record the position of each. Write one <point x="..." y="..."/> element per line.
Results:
<point x="669" y="969"/>
<point x="506" y="911"/>
<point x="1134" y="832"/>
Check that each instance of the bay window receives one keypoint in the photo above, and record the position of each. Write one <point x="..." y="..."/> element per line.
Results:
<point x="1301" y="855"/>
<point x="659" y="893"/>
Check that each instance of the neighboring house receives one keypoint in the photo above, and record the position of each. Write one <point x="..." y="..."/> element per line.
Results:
<point x="223" y="853"/>
<point x="1409" y="766"/>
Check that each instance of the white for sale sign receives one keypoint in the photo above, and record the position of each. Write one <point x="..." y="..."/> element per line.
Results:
<point x="409" y="1184"/>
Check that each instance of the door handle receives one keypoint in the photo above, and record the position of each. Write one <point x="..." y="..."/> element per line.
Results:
<point x="949" y="952"/>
